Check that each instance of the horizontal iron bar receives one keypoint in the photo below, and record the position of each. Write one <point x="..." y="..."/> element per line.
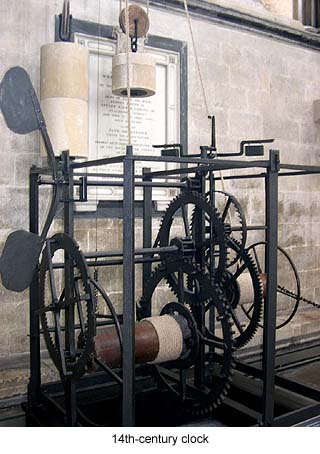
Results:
<point x="313" y="169"/>
<point x="109" y="175"/>
<point x="120" y="184"/>
<point x="205" y="166"/>
<point x="138" y="184"/>
<point x="241" y="408"/>
<point x="295" y="417"/>
<point x="298" y="388"/>
<point x="98" y="162"/>
<point x="77" y="326"/>
<point x="142" y="251"/>
<point x="99" y="263"/>
<point x="217" y="163"/>
<point x="241" y="177"/>
<point x="249" y="227"/>
<point x="295" y="174"/>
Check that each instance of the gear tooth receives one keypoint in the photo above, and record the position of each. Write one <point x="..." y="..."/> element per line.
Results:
<point x="225" y="391"/>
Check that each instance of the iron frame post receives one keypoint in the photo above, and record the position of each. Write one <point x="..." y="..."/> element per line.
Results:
<point x="34" y="384"/>
<point x="199" y="372"/>
<point x="270" y="307"/>
<point x="128" y="362"/>
<point x="147" y="228"/>
<point x="68" y="209"/>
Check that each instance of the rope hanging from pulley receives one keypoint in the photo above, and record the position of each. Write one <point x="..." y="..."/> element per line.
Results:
<point x="128" y="69"/>
<point x="201" y="80"/>
<point x="96" y="269"/>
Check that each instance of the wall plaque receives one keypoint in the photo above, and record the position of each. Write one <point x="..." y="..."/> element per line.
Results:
<point x="155" y="120"/>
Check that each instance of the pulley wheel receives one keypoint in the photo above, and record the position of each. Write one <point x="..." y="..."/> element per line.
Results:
<point x="138" y="15"/>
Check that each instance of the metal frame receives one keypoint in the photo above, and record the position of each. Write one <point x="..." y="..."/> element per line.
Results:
<point x="270" y="170"/>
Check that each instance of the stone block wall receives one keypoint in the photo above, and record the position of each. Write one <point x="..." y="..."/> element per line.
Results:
<point x="257" y="87"/>
<point x="282" y="8"/>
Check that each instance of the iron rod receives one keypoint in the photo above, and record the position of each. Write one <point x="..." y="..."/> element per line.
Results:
<point x="147" y="229"/>
<point x="98" y="162"/>
<point x="70" y="384"/>
<point x="270" y="307"/>
<point x="143" y="251"/>
<point x="100" y="263"/>
<point x="128" y="361"/>
<point x="35" y="363"/>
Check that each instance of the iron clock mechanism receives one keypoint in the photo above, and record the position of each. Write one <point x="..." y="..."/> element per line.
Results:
<point x="182" y="206"/>
<point x="200" y="383"/>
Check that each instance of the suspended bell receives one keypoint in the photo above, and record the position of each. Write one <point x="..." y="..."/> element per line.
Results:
<point x="142" y="66"/>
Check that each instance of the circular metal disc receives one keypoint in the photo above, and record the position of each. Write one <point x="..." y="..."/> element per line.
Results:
<point x="136" y="13"/>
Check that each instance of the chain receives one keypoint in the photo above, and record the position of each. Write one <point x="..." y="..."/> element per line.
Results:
<point x="287" y="292"/>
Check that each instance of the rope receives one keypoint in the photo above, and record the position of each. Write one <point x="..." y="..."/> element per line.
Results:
<point x="196" y="57"/>
<point x="169" y="336"/>
<point x="95" y="271"/>
<point x="201" y="79"/>
<point x="128" y="72"/>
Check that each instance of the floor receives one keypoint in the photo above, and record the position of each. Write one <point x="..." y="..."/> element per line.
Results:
<point x="308" y="374"/>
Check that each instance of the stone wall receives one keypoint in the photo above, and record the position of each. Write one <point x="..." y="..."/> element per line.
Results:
<point x="258" y="87"/>
<point x="282" y="8"/>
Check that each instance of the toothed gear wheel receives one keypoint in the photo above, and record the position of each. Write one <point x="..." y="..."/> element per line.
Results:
<point x="180" y="204"/>
<point x="231" y="213"/>
<point x="53" y="312"/>
<point x="198" y="398"/>
<point x="245" y="326"/>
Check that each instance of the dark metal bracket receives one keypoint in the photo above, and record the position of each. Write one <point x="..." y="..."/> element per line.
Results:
<point x="65" y="19"/>
<point x="171" y="149"/>
<point x="253" y="147"/>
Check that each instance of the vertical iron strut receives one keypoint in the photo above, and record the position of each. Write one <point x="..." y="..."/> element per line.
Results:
<point x="35" y="364"/>
<point x="270" y="309"/>
<point x="200" y="315"/>
<point x="70" y="384"/>
<point x="128" y="390"/>
<point x="147" y="228"/>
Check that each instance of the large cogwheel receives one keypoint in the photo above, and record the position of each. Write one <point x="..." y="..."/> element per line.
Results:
<point x="244" y="293"/>
<point x="202" y="386"/>
<point x="70" y="360"/>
